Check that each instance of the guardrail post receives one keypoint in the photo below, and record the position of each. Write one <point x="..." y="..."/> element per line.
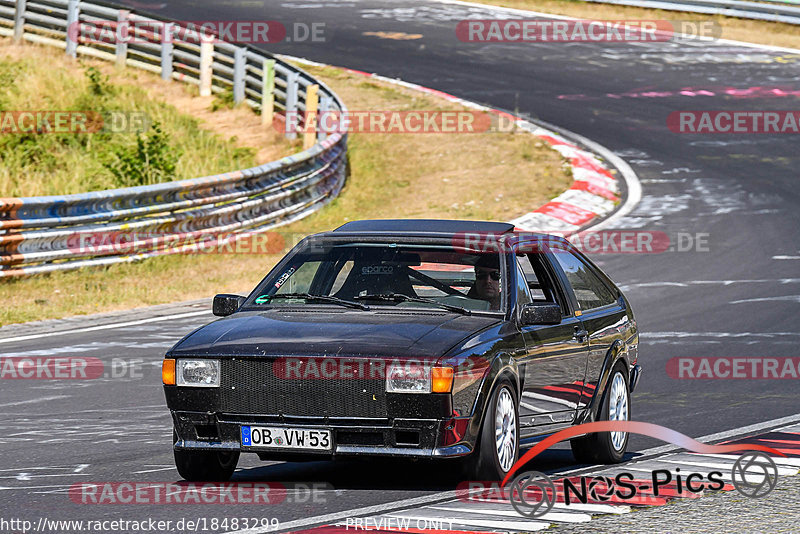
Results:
<point x="73" y="28"/>
<point x="19" y="21"/>
<point x="310" y="121"/>
<point x="239" y="64"/>
<point x="324" y="109"/>
<point x="268" y="92"/>
<point x="166" y="50"/>
<point x="292" y="86"/>
<point x="122" y="44"/>
<point x="206" y="60"/>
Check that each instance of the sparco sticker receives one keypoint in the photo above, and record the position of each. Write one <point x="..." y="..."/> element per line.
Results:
<point x="377" y="269"/>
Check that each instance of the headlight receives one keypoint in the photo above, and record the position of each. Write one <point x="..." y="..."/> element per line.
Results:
<point x="201" y="373"/>
<point x="413" y="377"/>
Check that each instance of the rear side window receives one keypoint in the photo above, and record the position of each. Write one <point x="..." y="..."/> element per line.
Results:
<point x="590" y="291"/>
<point x="523" y="293"/>
<point x="540" y="284"/>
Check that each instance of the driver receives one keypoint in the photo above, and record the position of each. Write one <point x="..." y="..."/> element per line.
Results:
<point x="487" y="281"/>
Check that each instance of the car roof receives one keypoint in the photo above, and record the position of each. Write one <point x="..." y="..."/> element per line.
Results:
<point x="437" y="231"/>
<point x="423" y="227"/>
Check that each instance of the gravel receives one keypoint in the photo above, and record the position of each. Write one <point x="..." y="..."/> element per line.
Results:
<point x="724" y="511"/>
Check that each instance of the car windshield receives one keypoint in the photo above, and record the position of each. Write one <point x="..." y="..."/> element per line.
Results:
<point x="386" y="274"/>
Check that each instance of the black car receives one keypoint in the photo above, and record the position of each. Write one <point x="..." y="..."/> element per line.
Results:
<point x="431" y="339"/>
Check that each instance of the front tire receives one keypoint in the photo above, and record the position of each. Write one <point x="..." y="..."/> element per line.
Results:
<point x="205" y="466"/>
<point x="497" y="449"/>
<point x="608" y="447"/>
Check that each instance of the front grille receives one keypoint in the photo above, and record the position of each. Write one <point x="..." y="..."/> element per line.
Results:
<point x="249" y="386"/>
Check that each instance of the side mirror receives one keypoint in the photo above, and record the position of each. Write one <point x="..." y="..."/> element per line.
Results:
<point x="225" y="305"/>
<point x="540" y="314"/>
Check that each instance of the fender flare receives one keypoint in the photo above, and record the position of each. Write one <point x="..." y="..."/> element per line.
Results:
<point x="618" y="352"/>
<point x="504" y="366"/>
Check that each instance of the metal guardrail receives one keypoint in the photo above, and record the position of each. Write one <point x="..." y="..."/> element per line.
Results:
<point x="772" y="12"/>
<point x="55" y="233"/>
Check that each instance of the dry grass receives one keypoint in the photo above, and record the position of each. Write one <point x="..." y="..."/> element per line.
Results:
<point x="470" y="176"/>
<point x="752" y="31"/>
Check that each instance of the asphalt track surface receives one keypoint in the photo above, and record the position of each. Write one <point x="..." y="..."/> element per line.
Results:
<point x="739" y="297"/>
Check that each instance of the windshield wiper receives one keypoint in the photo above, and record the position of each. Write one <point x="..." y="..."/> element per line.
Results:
<point x="400" y="297"/>
<point x="324" y="298"/>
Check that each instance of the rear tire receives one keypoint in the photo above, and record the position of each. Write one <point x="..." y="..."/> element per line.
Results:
<point x="497" y="449"/>
<point x="205" y="466"/>
<point x="607" y="447"/>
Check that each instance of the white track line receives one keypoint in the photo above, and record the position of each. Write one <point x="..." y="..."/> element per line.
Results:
<point x="34" y="401"/>
<point x="498" y="524"/>
<point x="476" y="503"/>
<point x="355" y="512"/>
<point x="779" y="460"/>
<point x="718" y="436"/>
<point x="784" y="471"/>
<point x="749" y="429"/>
<point x="442" y="496"/>
<point x="508" y="511"/>
<point x="527" y="12"/>
<point x="632" y="184"/>
<point x="105" y="326"/>
<point x="634" y="190"/>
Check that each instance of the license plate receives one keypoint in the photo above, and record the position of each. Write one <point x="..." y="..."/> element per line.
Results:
<point x="274" y="437"/>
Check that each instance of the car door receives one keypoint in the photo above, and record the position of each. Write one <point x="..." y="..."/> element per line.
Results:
<point x="555" y="355"/>
<point x="601" y="309"/>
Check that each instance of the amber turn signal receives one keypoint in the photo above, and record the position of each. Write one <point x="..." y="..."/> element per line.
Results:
<point x="441" y="379"/>
<point x="168" y="372"/>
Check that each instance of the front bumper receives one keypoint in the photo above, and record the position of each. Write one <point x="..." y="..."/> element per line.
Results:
<point x="351" y="437"/>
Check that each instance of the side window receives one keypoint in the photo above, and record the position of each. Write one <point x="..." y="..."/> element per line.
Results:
<point x="589" y="290"/>
<point x="534" y="285"/>
<point x="523" y="295"/>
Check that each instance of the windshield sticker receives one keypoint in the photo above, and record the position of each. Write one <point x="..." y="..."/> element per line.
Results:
<point x="285" y="276"/>
<point x="377" y="269"/>
<point x="263" y="299"/>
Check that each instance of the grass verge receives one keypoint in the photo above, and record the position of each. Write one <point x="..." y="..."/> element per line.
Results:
<point x="494" y="176"/>
<point x="751" y="31"/>
<point x="182" y="137"/>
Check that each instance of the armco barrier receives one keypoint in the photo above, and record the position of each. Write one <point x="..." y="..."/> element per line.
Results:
<point x="771" y="11"/>
<point x="38" y="234"/>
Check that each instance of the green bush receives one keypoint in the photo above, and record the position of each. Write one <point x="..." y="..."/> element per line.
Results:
<point x="177" y="147"/>
<point x="151" y="160"/>
<point x="223" y="100"/>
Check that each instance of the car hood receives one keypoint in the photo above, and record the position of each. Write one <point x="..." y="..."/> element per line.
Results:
<point x="412" y="333"/>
